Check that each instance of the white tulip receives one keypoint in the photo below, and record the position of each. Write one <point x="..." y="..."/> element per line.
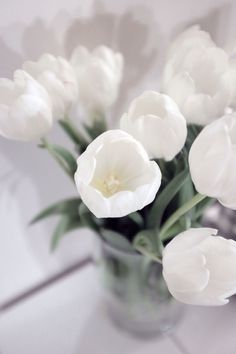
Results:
<point x="25" y="108"/>
<point x="200" y="268"/>
<point x="212" y="161"/>
<point x="115" y="177"/>
<point x="192" y="37"/>
<point x="58" y="77"/>
<point x="155" y="120"/>
<point x="99" y="74"/>
<point x="230" y="48"/>
<point x="196" y="78"/>
<point x="230" y="77"/>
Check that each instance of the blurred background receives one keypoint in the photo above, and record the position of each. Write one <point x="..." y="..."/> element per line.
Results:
<point x="29" y="178"/>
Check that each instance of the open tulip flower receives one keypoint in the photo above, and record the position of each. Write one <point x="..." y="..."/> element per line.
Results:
<point x="115" y="177"/>
<point x="145" y="186"/>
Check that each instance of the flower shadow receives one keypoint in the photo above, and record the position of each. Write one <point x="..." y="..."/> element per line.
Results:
<point x="213" y="22"/>
<point x="134" y="33"/>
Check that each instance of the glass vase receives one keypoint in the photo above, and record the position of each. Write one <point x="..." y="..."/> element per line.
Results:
<point x="135" y="293"/>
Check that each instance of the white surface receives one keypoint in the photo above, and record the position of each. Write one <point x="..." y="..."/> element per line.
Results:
<point x="69" y="318"/>
<point x="209" y="330"/>
<point x="15" y="254"/>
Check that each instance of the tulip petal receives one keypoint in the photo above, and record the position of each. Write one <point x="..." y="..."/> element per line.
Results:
<point x="212" y="160"/>
<point x="200" y="268"/>
<point x="186" y="273"/>
<point x="57" y="76"/>
<point x="153" y="119"/>
<point x="196" y="77"/>
<point x="99" y="74"/>
<point x="185" y="242"/>
<point x="180" y="88"/>
<point x="25" y="108"/>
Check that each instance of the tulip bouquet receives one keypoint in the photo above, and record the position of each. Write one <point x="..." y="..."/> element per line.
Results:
<point x="145" y="186"/>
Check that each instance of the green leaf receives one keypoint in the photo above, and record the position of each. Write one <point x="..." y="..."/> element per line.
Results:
<point x="143" y="242"/>
<point x="65" y="225"/>
<point x="174" y="230"/>
<point x="74" y="134"/>
<point x="179" y="213"/>
<point x="117" y="240"/>
<point x="66" y="155"/>
<point x="185" y="221"/>
<point x="149" y="239"/>
<point x="193" y="132"/>
<point x="68" y="206"/>
<point x="98" y="127"/>
<point x="137" y="218"/>
<point x="87" y="218"/>
<point x="186" y="193"/>
<point x="164" y="198"/>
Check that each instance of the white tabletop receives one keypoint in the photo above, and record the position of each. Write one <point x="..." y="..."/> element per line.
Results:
<point x="69" y="318"/>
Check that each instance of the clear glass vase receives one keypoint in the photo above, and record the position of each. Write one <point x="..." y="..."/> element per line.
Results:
<point x="135" y="293"/>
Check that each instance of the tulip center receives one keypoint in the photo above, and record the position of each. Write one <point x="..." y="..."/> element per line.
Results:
<point x="111" y="185"/>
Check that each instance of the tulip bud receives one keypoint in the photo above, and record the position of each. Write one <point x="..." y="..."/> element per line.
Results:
<point x="212" y="161"/>
<point x="196" y="77"/>
<point x="99" y="74"/>
<point x="155" y="120"/>
<point x="25" y="108"/>
<point x="58" y="78"/>
<point x="200" y="268"/>
<point x="115" y="177"/>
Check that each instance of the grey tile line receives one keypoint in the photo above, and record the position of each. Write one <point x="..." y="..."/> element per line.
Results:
<point x="34" y="290"/>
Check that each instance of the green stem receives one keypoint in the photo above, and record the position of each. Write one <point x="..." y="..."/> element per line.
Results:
<point x="47" y="146"/>
<point x="178" y="213"/>
<point x="150" y="255"/>
<point x="73" y="132"/>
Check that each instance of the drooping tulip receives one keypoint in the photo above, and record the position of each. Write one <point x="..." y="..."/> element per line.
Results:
<point x="200" y="267"/>
<point x="212" y="161"/>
